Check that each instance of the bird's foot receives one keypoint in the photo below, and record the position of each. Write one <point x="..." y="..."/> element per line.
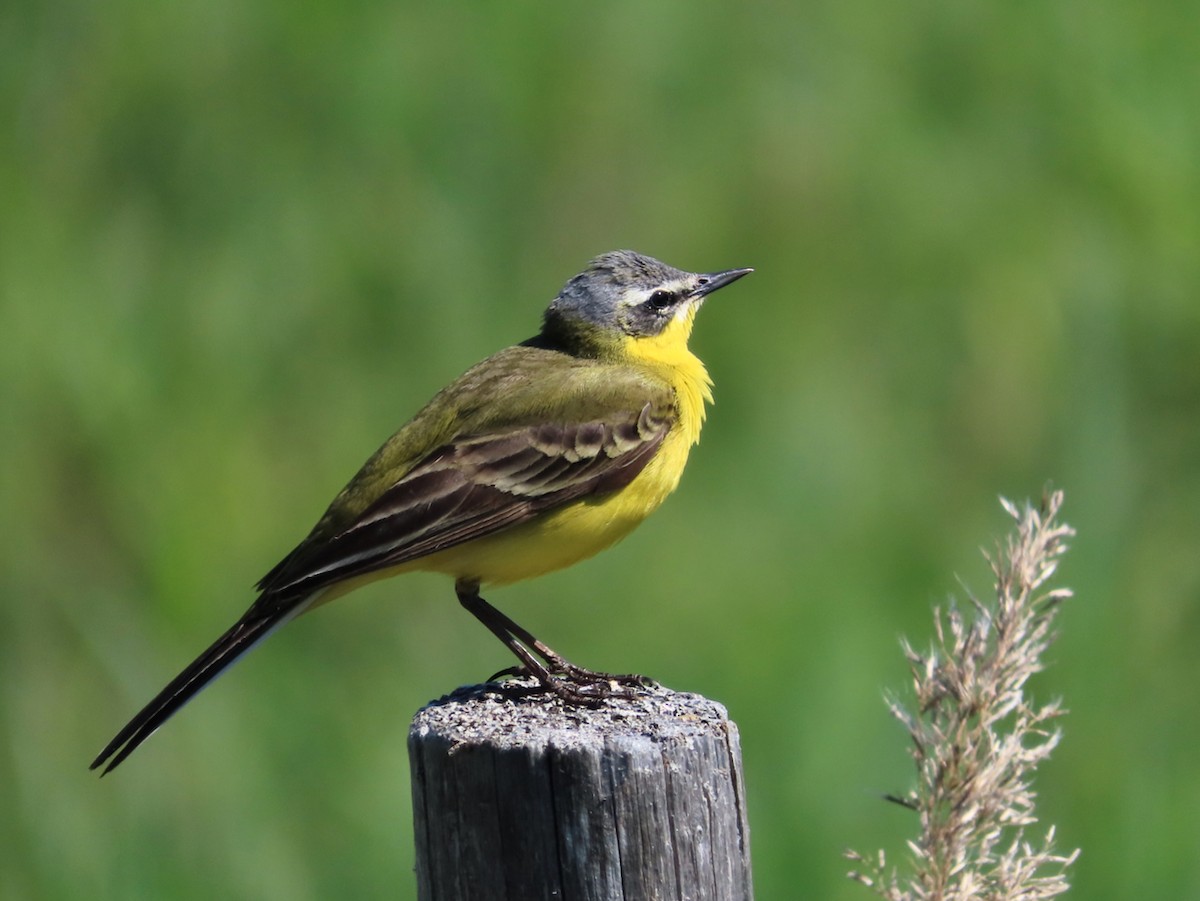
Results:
<point x="552" y="672"/>
<point x="576" y="685"/>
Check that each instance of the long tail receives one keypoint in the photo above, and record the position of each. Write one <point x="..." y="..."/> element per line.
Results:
<point x="223" y="652"/>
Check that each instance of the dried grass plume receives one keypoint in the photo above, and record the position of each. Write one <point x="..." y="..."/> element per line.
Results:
<point x="977" y="738"/>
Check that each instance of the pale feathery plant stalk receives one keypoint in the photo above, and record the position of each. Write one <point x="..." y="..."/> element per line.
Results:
<point x="977" y="737"/>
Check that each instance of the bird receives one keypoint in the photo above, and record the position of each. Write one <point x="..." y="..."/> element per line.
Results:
<point x="539" y="456"/>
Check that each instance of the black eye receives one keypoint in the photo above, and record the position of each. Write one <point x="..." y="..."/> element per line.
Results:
<point x="660" y="300"/>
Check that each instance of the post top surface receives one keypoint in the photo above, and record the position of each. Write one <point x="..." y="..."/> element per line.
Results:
<point x="487" y="714"/>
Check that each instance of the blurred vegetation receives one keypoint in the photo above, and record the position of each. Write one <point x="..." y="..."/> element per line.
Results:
<point x="242" y="242"/>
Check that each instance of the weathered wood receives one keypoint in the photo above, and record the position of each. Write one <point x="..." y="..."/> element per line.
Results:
<point x="524" y="798"/>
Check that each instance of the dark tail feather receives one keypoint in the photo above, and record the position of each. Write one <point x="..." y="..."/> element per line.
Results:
<point x="221" y="654"/>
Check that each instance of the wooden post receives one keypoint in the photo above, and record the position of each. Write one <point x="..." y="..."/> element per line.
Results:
<point x="524" y="798"/>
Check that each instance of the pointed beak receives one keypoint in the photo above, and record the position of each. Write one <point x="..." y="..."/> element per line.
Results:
<point x="711" y="281"/>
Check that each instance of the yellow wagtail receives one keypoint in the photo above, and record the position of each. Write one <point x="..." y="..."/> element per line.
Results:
<point x="536" y="458"/>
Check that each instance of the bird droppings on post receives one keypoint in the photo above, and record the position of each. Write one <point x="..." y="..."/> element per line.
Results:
<point x="501" y="713"/>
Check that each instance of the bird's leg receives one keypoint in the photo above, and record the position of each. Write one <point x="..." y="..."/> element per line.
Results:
<point x="572" y="683"/>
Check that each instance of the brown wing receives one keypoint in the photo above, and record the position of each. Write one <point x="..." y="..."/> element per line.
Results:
<point x="474" y="487"/>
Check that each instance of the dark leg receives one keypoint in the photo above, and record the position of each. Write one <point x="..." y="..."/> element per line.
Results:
<point x="572" y="683"/>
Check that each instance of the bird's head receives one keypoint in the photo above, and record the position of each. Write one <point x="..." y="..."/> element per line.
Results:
<point x="624" y="299"/>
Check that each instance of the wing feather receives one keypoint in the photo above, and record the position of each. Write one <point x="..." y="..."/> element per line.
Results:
<point x="474" y="487"/>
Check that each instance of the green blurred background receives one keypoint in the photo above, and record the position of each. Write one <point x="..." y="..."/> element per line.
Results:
<point x="241" y="242"/>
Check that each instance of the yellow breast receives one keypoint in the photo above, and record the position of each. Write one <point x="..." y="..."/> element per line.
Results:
<point x="581" y="529"/>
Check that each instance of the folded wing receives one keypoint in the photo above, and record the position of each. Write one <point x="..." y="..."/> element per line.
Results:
<point x="474" y="487"/>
